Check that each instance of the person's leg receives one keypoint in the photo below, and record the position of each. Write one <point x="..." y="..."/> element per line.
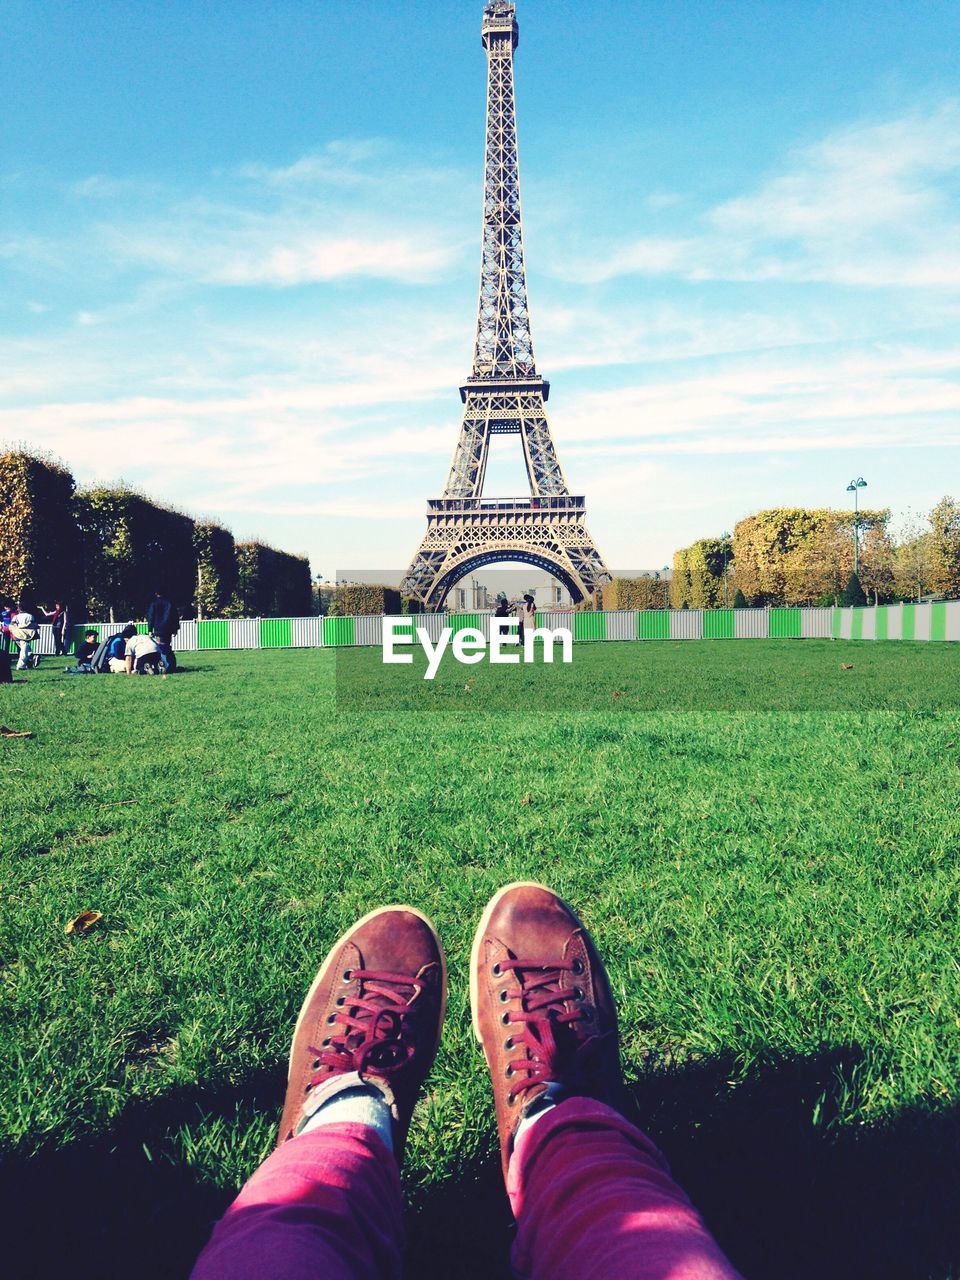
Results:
<point x="326" y="1204"/>
<point x="25" y="651"/>
<point x="593" y="1197"/>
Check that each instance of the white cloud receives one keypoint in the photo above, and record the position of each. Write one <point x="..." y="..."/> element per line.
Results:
<point x="313" y="260"/>
<point x="356" y="209"/>
<point x="868" y="205"/>
<point x="892" y="396"/>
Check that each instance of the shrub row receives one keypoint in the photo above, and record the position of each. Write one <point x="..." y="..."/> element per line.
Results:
<point x="105" y="551"/>
<point x="362" y="599"/>
<point x="40" y="553"/>
<point x="635" y="593"/>
<point x="270" y="584"/>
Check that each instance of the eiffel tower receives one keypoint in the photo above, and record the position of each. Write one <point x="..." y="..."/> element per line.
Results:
<point x="504" y="394"/>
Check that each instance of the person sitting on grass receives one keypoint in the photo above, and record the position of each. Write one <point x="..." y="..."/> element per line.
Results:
<point x="83" y="655"/>
<point x="141" y="655"/>
<point x="117" y="650"/>
<point x="592" y="1195"/>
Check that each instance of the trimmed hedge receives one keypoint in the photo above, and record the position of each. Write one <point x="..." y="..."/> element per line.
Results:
<point x="356" y="600"/>
<point x="635" y="593"/>
<point x="271" y="583"/>
<point x="104" y="551"/>
<point x="131" y="547"/>
<point x="216" y="556"/>
<point x="39" y="542"/>
<point x="698" y="575"/>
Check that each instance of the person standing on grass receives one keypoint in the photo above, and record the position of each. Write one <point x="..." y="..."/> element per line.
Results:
<point x="164" y="623"/>
<point x="6" y="614"/>
<point x="526" y="615"/>
<point x="23" y="629"/>
<point x="592" y="1195"/>
<point x="58" y="623"/>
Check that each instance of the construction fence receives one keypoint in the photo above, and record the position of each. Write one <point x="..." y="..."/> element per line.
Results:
<point x="937" y="620"/>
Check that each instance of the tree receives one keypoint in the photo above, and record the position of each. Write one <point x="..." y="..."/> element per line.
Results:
<point x="680" y="581"/>
<point x="877" y="554"/>
<point x="698" y="575"/>
<point x="912" y="558"/>
<point x="853" y="593"/>
<point x="795" y="555"/>
<point x="740" y="600"/>
<point x="945" y="547"/>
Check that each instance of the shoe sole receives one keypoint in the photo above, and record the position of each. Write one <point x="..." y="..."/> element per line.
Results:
<point x="331" y="954"/>
<point x="481" y="930"/>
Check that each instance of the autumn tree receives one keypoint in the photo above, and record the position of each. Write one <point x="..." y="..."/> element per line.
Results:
<point x="796" y="556"/>
<point x="945" y="548"/>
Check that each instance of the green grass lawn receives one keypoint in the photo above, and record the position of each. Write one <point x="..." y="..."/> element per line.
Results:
<point x="764" y="844"/>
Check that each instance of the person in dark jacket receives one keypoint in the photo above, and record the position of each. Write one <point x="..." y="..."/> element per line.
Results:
<point x="164" y="623"/>
<point x="84" y="656"/>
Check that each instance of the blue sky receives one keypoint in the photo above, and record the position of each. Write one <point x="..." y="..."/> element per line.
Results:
<point x="240" y="247"/>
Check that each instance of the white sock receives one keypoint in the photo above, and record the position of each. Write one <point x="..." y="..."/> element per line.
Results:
<point x="543" y="1103"/>
<point x="362" y="1103"/>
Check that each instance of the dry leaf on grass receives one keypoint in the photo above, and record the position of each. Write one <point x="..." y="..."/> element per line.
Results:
<point x="525" y="800"/>
<point x="83" y="922"/>
<point x="14" y="733"/>
<point x="846" y="666"/>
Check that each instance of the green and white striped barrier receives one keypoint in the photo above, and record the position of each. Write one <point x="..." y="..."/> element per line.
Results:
<point x="936" y="620"/>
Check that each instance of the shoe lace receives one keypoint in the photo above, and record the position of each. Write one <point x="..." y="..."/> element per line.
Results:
<point x="372" y="1027"/>
<point x="555" y="1044"/>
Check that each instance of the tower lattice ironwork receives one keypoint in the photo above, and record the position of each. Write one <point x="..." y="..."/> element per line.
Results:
<point x="504" y="394"/>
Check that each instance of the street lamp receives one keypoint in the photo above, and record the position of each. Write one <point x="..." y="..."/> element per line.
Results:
<point x="854" y="487"/>
<point x="726" y="580"/>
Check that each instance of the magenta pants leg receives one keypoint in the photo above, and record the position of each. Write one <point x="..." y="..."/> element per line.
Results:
<point x="325" y="1206"/>
<point x="594" y="1200"/>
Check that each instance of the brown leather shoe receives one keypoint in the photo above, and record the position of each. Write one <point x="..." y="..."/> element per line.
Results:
<point x="542" y="1007"/>
<point x="375" y="1009"/>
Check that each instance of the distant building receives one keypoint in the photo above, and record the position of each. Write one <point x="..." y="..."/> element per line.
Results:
<point x="479" y="592"/>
